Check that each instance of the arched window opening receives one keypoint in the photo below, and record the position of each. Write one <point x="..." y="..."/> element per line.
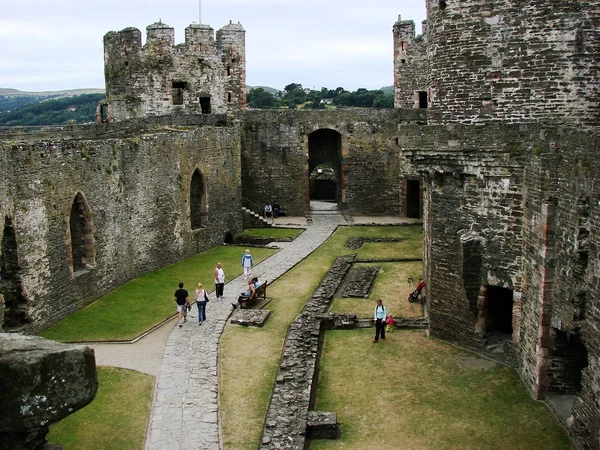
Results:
<point x="198" y="206"/>
<point x="15" y="303"/>
<point x="82" y="235"/>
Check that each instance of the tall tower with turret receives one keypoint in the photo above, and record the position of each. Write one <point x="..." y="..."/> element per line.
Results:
<point x="203" y="75"/>
<point x="410" y="65"/>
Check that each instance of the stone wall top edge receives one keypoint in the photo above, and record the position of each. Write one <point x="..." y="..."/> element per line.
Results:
<point x="115" y="129"/>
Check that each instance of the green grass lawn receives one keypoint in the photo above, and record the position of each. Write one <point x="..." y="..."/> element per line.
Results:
<point x="279" y="233"/>
<point x="140" y="304"/>
<point x="425" y="394"/>
<point x="117" y="417"/>
<point x="249" y="357"/>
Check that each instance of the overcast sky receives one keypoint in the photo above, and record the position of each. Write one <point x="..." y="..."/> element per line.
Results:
<point x="57" y="44"/>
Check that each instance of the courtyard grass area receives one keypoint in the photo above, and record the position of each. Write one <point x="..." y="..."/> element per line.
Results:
<point x="278" y="233"/>
<point x="412" y="392"/>
<point x="249" y="357"/>
<point x="140" y="304"/>
<point x="117" y="417"/>
<point x="391" y="287"/>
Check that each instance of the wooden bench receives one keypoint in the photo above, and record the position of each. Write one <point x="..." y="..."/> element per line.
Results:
<point x="246" y="301"/>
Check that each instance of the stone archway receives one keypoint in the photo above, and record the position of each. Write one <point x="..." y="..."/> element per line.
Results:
<point x="16" y="312"/>
<point x="81" y="234"/>
<point x="325" y="166"/>
<point x="198" y="201"/>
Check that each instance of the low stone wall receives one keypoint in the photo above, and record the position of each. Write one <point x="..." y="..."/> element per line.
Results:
<point x="293" y="394"/>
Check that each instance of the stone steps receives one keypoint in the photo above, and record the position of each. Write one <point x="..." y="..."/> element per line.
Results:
<point x="257" y="216"/>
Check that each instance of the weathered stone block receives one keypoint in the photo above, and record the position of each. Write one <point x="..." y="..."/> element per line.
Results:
<point x="41" y="382"/>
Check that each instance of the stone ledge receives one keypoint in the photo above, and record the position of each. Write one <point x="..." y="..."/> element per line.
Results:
<point x="250" y="317"/>
<point x="322" y="425"/>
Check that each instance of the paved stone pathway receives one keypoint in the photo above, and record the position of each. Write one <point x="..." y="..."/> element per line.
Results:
<point x="185" y="408"/>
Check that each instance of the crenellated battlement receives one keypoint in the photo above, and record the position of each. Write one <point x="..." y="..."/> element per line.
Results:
<point x="206" y="74"/>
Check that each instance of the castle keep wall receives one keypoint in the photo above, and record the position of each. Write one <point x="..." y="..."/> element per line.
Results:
<point x="137" y="189"/>
<point x="514" y="61"/>
<point x="410" y="64"/>
<point x="200" y="76"/>
<point x="275" y="152"/>
<point x="517" y="207"/>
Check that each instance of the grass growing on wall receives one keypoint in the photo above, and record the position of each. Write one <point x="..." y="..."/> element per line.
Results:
<point x="249" y="357"/>
<point x="140" y="304"/>
<point x="117" y="417"/>
<point x="418" y="393"/>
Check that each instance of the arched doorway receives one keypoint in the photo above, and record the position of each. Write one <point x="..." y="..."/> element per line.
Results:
<point x="198" y="206"/>
<point x="81" y="228"/>
<point x="16" y="311"/>
<point x="325" y="166"/>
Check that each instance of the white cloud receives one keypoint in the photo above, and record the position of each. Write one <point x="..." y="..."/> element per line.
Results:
<point x="57" y="44"/>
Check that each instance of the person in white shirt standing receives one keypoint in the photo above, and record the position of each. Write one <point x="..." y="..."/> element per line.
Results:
<point x="219" y="281"/>
<point x="379" y="319"/>
<point x="247" y="264"/>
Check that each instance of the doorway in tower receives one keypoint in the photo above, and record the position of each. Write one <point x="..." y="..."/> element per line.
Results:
<point x="324" y="169"/>
<point x="413" y="199"/>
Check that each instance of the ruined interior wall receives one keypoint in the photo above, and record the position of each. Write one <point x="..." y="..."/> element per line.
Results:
<point x="473" y="182"/>
<point x="514" y="61"/>
<point x="560" y="275"/>
<point x="275" y="157"/>
<point x="137" y="189"/>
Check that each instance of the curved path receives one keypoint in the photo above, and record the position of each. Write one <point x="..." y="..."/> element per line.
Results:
<point x="185" y="408"/>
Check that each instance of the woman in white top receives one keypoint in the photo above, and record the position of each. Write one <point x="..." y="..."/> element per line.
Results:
<point x="379" y="318"/>
<point x="201" y="298"/>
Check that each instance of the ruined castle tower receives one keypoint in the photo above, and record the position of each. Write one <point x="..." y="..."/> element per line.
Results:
<point x="410" y="65"/>
<point x="200" y="76"/>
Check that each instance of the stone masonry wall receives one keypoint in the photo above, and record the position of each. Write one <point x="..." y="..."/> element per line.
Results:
<point x="275" y="157"/>
<point x="560" y="274"/>
<point x="528" y="196"/>
<point x="514" y="61"/>
<point x="162" y="78"/>
<point x="410" y="64"/>
<point x="137" y="189"/>
<point x="474" y="198"/>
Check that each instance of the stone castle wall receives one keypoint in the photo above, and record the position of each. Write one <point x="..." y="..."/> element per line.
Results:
<point x="275" y="153"/>
<point x="200" y="76"/>
<point x="516" y="206"/>
<point x="514" y="61"/>
<point x="137" y="189"/>
<point x="410" y="64"/>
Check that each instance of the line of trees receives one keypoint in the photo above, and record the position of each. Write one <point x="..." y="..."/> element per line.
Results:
<point x="80" y="108"/>
<point x="294" y="94"/>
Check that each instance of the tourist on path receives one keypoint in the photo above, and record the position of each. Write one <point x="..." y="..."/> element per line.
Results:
<point x="247" y="262"/>
<point x="219" y="281"/>
<point x="379" y="318"/>
<point x="182" y="300"/>
<point x="276" y="209"/>
<point x="201" y="299"/>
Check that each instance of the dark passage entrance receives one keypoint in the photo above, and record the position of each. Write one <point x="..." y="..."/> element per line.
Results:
<point x="324" y="165"/>
<point x="413" y="199"/>
<point x="499" y="308"/>
<point x="422" y="99"/>
<point x="205" y="105"/>
<point x="82" y="235"/>
<point x="198" y="209"/>
<point x="569" y="358"/>
<point x="15" y="303"/>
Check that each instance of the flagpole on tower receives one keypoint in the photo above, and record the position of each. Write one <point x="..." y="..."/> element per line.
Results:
<point x="200" y="12"/>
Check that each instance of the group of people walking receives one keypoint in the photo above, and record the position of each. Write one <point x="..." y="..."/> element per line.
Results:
<point x="182" y="297"/>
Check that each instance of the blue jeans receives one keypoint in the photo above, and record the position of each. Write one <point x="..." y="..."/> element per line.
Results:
<point x="201" y="311"/>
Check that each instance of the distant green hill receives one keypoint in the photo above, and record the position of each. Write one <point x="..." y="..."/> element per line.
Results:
<point x="268" y="89"/>
<point x="31" y="110"/>
<point x="387" y="90"/>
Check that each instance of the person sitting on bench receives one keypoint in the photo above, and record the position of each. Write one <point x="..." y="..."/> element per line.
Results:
<point x="248" y="293"/>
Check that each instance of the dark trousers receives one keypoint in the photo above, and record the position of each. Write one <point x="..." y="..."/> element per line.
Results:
<point x="379" y="329"/>
<point x="201" y="311"/>
<point x="219" y="289"/>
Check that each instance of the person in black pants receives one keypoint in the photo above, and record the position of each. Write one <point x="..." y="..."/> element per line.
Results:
<point x="219" y="281"/>
<point x="379" y="319"/>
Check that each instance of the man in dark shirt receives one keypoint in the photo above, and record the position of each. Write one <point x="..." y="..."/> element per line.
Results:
<point x="182" y="299"/>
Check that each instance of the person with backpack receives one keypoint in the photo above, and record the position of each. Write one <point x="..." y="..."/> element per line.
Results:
<point x="379" y="319"/>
